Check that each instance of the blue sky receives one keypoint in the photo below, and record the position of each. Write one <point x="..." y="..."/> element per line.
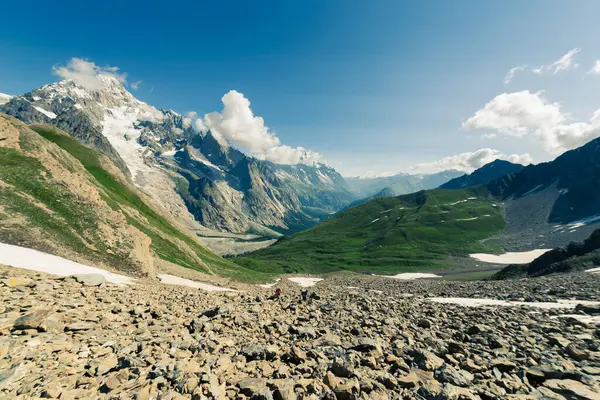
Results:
<point x="372" y="86"/>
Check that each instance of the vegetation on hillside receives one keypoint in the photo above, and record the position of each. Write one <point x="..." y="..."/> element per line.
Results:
<point x="387" y="235"/>
<point x="55" y="211"/>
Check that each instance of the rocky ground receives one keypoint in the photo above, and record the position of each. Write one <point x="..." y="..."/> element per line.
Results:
<point x="81" y="338"/>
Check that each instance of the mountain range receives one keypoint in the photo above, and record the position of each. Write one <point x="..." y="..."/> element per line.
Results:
<point x="203" y="182"/>
<point x="538" y="206"/>
<point x="193" y="185"/>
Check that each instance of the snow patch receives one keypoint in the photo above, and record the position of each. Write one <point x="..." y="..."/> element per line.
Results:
<point x="386" y="211"/>
<point x="33" y="260"/>
<point x="47" y="113"/>
<point x="533" y="190"/>
<point x="523" y="257"/>
<point x="457" y="202"/>
<point x="270" y="285"/>
<point x="467" y="219"/>
<point x="471" y="302"/>
<point x="563" y="191"/>
<point x="375" y="220"/>
<point x="305" y="281"/>
<point x="412" y="275"/>
<point x="583" y="222"/>
<point x="593" y="270"/>
<point x="175" y="280"/>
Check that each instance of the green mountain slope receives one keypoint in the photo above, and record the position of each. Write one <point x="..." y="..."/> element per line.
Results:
<point x="391" y="234"/>
<point x="59" y="196"/>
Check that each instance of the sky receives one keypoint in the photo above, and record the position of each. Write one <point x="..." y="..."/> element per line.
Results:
<point x="371" y="88"/>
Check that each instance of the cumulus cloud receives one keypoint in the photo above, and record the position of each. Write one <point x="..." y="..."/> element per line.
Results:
<point x="564" y="63"/>
<point x="87" y="74"/>
<point x="595" y="69"/>
<point x="136" y="85"/>
<point x="512" y="72"/>
<point x="237" y="124"/>
<point x="525" y="113"/>
<point x="469" y="161"/>
<point x="192" y="119"/>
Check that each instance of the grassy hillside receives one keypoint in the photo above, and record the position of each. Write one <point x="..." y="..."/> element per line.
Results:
<point x="406" y="233"/>
<point x="50" y="199"/>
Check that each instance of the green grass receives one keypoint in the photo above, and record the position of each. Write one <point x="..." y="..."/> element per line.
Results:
<point x="413" y="232"/>
<point x="120" y="197"/>
<point x="50" y="206"/>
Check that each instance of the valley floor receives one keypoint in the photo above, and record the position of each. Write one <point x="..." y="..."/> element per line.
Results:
<point x="356" y="337"/>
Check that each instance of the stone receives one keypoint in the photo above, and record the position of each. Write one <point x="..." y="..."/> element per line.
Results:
<point x="448" y="373"/>
<point x="503" y="365"/>
<point x="90" y="279"/>
<point x="425" y="359"/>
<point x="16" y="281"/>
<point x="577" y="353"/>
<point x="79" y="326"/>
<point x="571" y="389"/>
<point x="252" y="386"/>
<point x="39" y="320"/>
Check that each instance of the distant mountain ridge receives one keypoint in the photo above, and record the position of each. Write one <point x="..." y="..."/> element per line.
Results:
<point x="200" y="181"/>
<point x="538" y="206"/>
<point x="483" y="175"/>
<point x="399" y="184"/>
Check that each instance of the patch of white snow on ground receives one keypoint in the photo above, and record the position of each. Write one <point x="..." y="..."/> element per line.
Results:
<point x="386" y="211"/>
<point x="471" y="198"/>
<point x="457" y="202"/>
<point x="563" y="191"/>
<point x="175" y="280"/>
<point x="375" y="220"/>
<point x="586" y="319"/>
<point x="523" y="257"/>
<point x="270" y="285"/>
<point x="33" y="260"/>
<point x="412" y="275"/>
<point x="467" y="219"/>
<point x="304" y="281"/>
<point x="533" y="190"/>
<point x="47" y="113"/>
<point x="593" y="270"/>
<point x="471" y="302"/>
<point x="583" y="222"/>
<point x="207" y="163"/>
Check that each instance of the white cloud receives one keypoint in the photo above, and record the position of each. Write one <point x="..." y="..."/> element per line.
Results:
<point x="564" y="63"/>
<point x="87" y="74"/>
<point x="237" y="124"/>
<point x="512" y="72"/>
<point x="469" y="161"/>
<point x="595" y="69"/>
<point x="136" y="85"/>
<point x="191" y="119"/>
<point x="525" y="113"/>
<point x="516" y="113"/>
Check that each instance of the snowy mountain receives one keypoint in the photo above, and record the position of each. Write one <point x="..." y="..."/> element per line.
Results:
<point x="198" y="179"/>
<point x="4" y="98"/>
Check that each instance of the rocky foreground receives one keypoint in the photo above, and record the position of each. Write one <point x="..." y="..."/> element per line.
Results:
<point x="80" y="338"/>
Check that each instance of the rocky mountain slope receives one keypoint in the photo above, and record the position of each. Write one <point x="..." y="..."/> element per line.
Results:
<point x="483" y="175"/>
<point x="199" y="180"/>
<point x="385" y="339"/>
<point x="574" y="257"/>
<point x="59" y="196"/>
